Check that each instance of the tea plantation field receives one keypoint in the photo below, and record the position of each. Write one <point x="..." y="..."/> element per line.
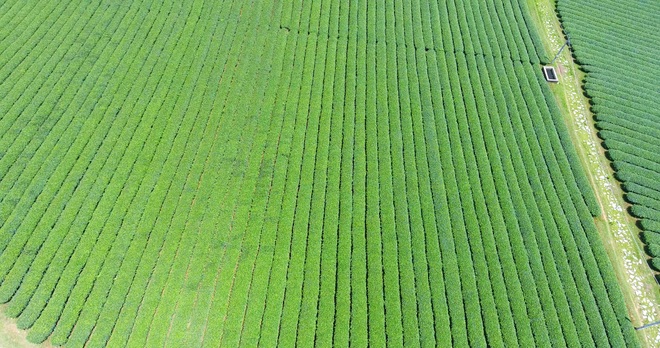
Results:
<point x="619" y="51"/>
<point x="203" y="173"/>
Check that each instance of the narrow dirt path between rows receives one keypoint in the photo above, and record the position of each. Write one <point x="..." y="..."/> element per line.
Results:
<point x="616" y="226"/>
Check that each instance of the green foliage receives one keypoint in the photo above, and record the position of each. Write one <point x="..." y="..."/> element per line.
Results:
<point x="653" y="249"/>
<point x="655" y="263"/>
<point x="651" y="237"/>
<point x="624" y="95"/>
<point x="202" y="173"/>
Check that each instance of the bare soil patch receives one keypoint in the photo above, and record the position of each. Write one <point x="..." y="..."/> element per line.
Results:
<point x="13" y="337"/>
